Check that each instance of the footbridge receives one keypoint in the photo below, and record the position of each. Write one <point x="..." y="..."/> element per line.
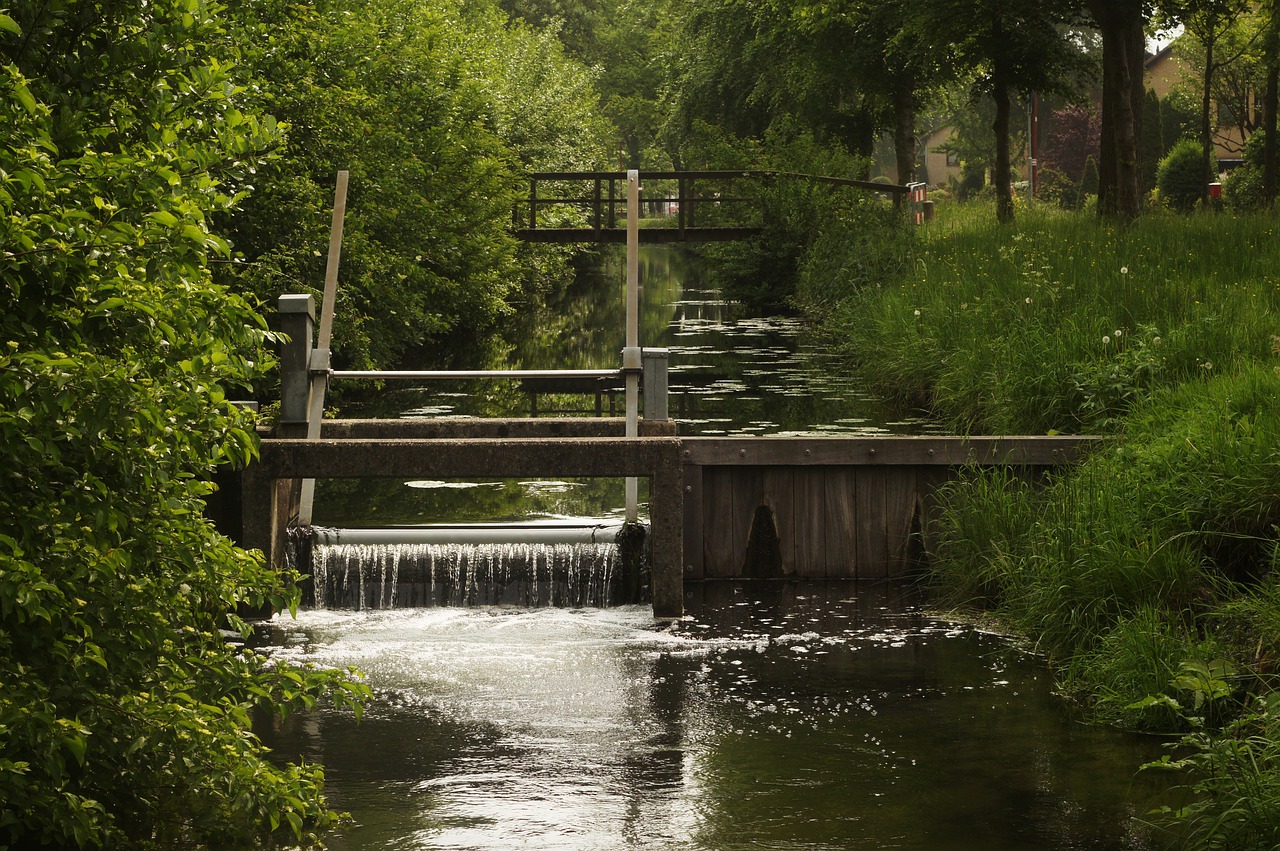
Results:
<point x="675" y="206"/>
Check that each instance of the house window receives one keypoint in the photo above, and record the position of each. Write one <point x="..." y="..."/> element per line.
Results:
<point x="953" y="159"/>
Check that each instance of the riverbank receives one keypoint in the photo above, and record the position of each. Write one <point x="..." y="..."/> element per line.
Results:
<point x="1147" y="574"/>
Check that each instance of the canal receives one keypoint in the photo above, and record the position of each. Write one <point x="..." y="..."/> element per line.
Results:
<point x="775" y="716"/>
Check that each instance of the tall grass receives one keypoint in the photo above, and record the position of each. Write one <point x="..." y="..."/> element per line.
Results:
<point x="1063" y="322"/>
<point x="1157" y="556"/>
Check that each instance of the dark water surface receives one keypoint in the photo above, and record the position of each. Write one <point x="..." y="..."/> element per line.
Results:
<point x="796" y="716"/>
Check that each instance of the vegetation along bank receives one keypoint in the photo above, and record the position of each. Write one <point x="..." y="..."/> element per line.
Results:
<point x="1147" y="575"/>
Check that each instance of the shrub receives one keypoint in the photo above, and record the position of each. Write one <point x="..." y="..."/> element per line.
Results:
<point x="1181" y="178"/>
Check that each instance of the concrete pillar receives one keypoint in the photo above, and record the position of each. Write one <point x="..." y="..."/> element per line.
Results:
<point x="655" y="383"/>
<point x="297" y="320"/>
<point x="666" y="522"/>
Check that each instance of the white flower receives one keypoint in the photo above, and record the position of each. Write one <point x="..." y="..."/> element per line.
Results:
<point x="1124" y="270"/>
<point x="1028" y="299"/>
<point x="1106" y="340"/>
<point x="917" y="312"/>
<point x="1116" y="333"/>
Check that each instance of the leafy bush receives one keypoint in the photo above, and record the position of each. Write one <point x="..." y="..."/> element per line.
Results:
<point x="1243" y="188"/>
<point x="1056" y="187"/>
<point x="124" y="712"/>
<point x="1181" y="177"/>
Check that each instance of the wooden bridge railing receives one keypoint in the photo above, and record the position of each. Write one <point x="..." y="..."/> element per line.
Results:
<point x="678" y="197"/>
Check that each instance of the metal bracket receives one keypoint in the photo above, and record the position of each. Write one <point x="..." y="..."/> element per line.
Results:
<point x="319" y="362"/>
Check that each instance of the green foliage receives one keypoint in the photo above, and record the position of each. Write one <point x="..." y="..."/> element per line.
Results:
<point x="1089" y="180"/>
<point x="1243" y="188"/>
<point x="818" y="239"/>
<point x="1181" y="177"/>
<point x="1157" y="550"/>
<point x="124" y="712"/>
<point x="435" y="109"/>
<point x="1233" y="770"/>
<point x="1056" y="187"/>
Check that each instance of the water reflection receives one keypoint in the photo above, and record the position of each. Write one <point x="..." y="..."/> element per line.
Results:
<point x="811" y="718"/>
<point x="730" y="373"/>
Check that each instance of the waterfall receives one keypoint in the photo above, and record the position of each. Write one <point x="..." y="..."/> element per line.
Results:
<point x="380" y="576"/>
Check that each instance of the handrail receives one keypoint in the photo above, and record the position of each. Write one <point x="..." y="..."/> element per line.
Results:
<point x="430" y="375"/>
<point x="891" y="188"/>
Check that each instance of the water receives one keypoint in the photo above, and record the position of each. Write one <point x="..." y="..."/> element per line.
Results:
<point x="776" y="717"/>
<point x="729" y="373"/>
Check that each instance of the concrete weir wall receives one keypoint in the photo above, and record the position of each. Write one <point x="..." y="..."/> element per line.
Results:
<point x="804" y="508"/>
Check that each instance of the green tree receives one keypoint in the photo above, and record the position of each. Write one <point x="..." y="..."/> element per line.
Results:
<point x="1209" y="22"/>
<point x="1010" y="45"/>
<point x="437" y="109"/>
<point x="124" y="712"/>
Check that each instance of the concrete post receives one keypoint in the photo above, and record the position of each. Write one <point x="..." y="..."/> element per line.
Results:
<point x="666" y="528"/>
<point x="655" y="383"/>
<point x="297" y="320"/>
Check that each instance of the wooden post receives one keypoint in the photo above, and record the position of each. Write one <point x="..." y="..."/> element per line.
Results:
<point x="318" y="362"/>
<point x="631" y="361"/>
<point x="613" y="202"/>
<point x="682" y="189"/>
<point x="655" y="384"/>
<point x="533" y="203"/>
<point x="595" y="218"/>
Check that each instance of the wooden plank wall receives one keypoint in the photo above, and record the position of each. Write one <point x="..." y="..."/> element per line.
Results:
<point x="825" y="508"/>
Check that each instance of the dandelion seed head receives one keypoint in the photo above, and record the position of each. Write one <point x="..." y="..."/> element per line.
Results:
<point x="1124" y="270"/>
<point x="1106" y="340"/>
<point x="1116" y="333"/>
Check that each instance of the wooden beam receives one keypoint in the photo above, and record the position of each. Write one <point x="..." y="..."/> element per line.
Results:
<point x="886" y="450"/>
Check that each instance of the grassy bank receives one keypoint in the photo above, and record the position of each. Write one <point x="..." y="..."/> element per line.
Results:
<point x="1147" y="574"/>
<point x="1063" y="322"/>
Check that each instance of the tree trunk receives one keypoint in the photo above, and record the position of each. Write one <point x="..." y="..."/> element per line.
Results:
<point x="1120" y="23"/>
<point x="1269" y="104"/>
<point x="1206" y="127"/>
<point x="904" y="131"/>
<point x="1004" y="193"/>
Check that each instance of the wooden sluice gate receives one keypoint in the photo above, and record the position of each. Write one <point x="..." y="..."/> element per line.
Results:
<point x="832" y="507"/>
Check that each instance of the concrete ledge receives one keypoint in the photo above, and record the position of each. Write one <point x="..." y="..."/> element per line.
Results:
<point x="446" y="458"/>
<point x="464" y="428"/>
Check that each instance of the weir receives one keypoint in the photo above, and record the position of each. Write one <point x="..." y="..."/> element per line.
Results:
<point x="383" y="576"/>
<point x="851" y="507"/>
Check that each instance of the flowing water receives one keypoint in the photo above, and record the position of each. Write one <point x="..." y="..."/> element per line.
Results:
<point x="776" y="717"/>
<point x="787" y="716"/>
